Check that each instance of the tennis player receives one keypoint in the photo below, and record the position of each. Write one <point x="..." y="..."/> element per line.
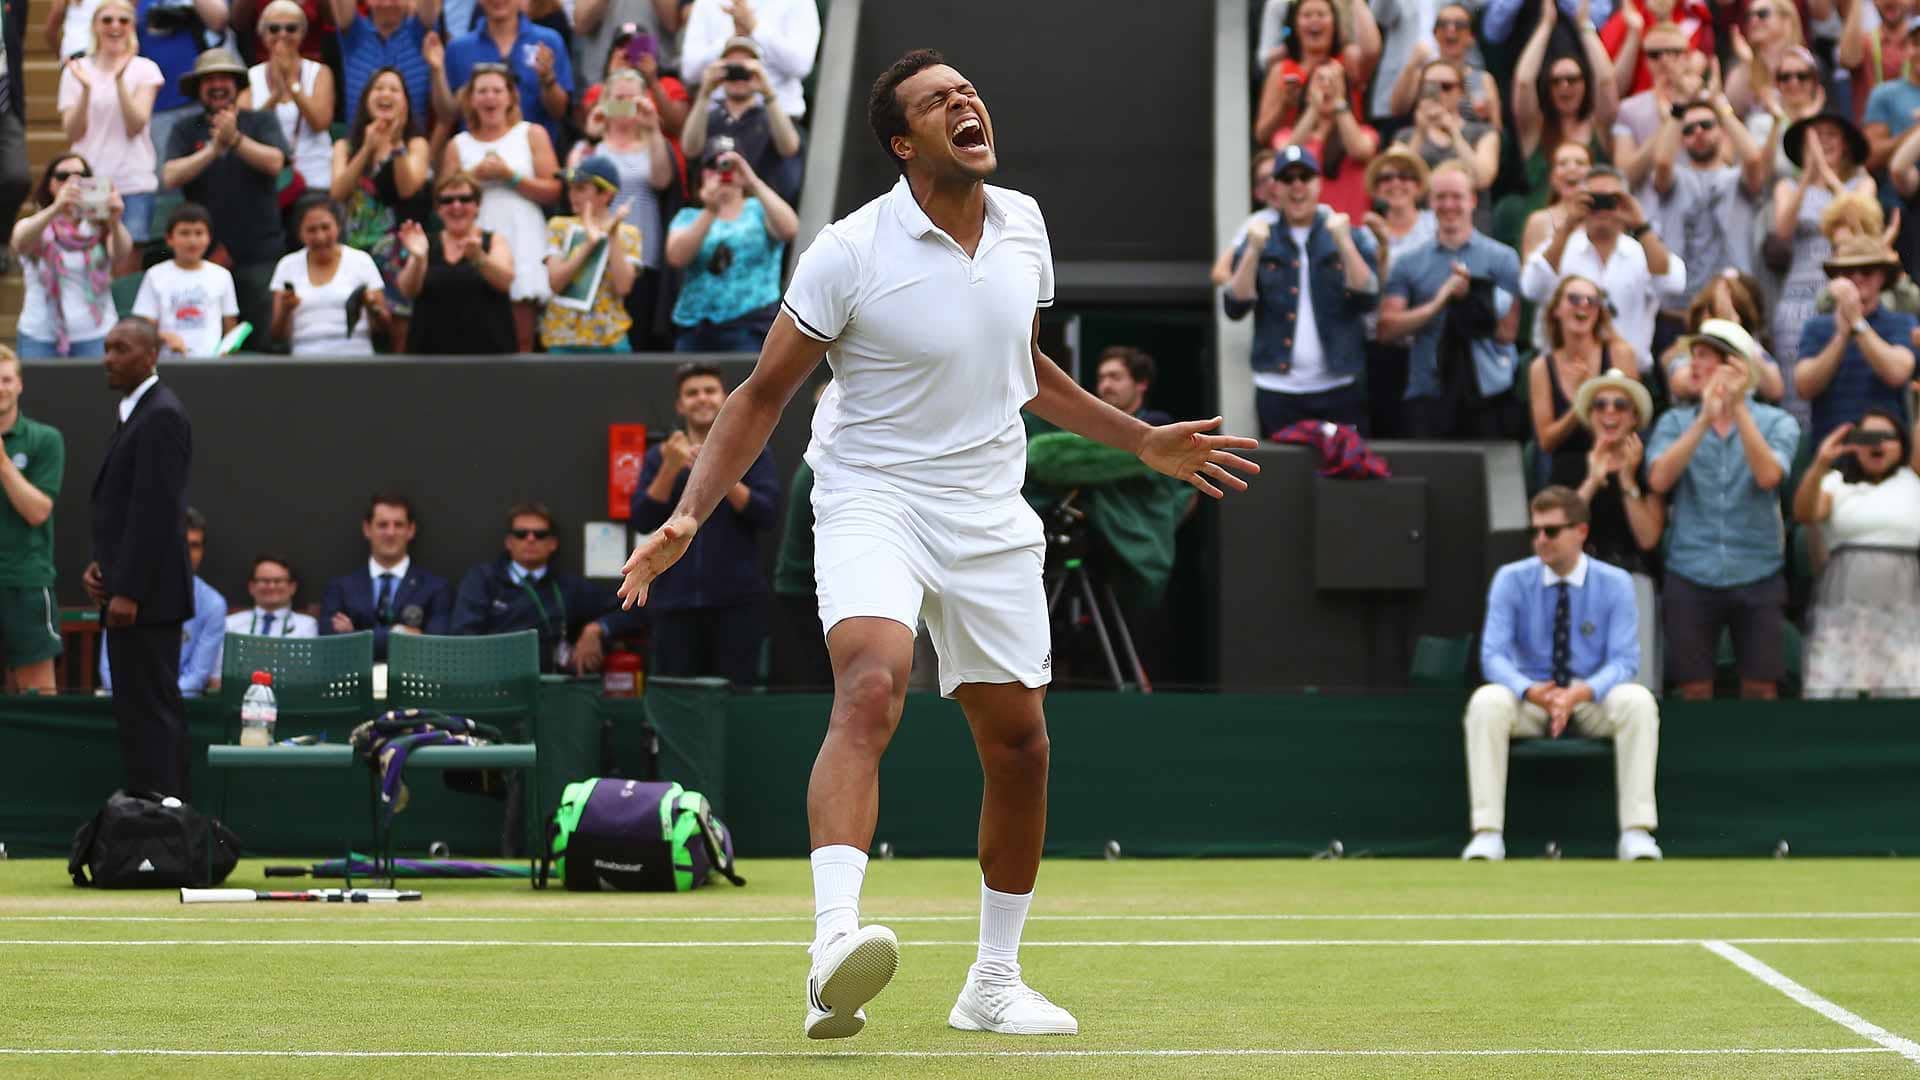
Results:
<point x="924" y="301"/>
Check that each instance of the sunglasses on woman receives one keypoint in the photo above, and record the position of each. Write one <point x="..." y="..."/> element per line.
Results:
<point x="1612" y="404"/>
<point x="64" y="175"/>
<point x="116" y="20"/>
<point x="1760" y="14"/>
<point x="1388" y="176"/>
<point x="1567" y="80"/>
<point x="1582" y="300"/>
<point x="450" y="200"/>
<point x="1793" y="76"/>
<point x="282" y="28"/>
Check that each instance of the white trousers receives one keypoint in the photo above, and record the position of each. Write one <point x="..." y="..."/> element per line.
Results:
<point x="1628" y="715"/>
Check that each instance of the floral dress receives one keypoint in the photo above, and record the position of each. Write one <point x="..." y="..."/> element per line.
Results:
<point x="375" y="212"/>
<point x="603" y="325"/>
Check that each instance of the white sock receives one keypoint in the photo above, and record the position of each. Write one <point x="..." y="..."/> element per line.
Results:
<point x="838" y="870"/>
<point x="1002" y="917"/>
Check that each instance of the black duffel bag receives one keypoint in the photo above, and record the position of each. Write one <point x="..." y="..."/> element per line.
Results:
<point x="141" y="841"/>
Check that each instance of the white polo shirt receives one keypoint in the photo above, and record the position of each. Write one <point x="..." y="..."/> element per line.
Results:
<point x="1635" y="293"/>
<point x="932" y="351"/>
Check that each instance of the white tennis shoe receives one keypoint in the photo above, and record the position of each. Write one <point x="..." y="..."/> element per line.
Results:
<point x="1490" y="846"/>
<point x="1636" y="844"/>
<point x="1010" y="1007"/>
<point x="847" y="972"/>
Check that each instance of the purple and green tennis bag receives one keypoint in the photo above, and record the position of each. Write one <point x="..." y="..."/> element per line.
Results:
<point x="613" y="835"/>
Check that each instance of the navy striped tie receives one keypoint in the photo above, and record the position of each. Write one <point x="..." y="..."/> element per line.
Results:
<point x="1562" y="638"/>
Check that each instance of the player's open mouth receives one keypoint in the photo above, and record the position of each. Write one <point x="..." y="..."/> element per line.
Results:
<point x="969" y="134"/>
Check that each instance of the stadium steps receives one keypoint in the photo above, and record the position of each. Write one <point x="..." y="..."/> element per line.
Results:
<point x="41" y="76"/>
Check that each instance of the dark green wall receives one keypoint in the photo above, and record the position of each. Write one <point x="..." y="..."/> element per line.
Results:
<point x="1227" y="774"/>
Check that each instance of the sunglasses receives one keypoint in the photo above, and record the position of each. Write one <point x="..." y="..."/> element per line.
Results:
<point x="1446" y="87"/>
<point x="449" y="200"/>
<point x="529" y="534"/>
<point x="1663" y="53"/>
<point x="1294" y="176"/>
<point x="1388" y="176"/>
<point x="1760" y="14"/>
<point x="1699" y="126"/>
<point x="1582" y="300"/>
<point x="64" y="175"/>
<point x="1612" y="404"/>
<point x="282" y="28"/>
<point x="1567" y="80"/>
<point x="1453" y="24"/>
<point x="1551" y="532"/>
<point x="1793" y="76"/>
<point x="116" y="20"/>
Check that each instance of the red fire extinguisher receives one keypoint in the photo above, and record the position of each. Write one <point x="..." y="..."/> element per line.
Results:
<point x="622" y="675"/>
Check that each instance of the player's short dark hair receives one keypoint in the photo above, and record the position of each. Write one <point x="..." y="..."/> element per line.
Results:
<point x="253" y="568"/>
<point x="885" y="113"/>
<point x="1139" y="365"/>
<point x="1562" y="498"/>
<point x="390" y="498"/>
<point x="694" y="369"/>
<point x="529" y="509"/>
<point x="188" y="213"/>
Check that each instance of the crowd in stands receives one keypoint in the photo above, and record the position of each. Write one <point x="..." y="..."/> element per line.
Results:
<point x="1667" y="245"/>
<point x="418" y="175"/>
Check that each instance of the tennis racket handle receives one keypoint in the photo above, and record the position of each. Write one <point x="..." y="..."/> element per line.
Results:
<point x="217" y="896"/>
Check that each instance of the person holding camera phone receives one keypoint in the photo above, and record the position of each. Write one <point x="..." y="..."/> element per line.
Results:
<point x="602" y="28"/>
<point x="106" y="101"/>
<point x="67" y="249"/>
<point x="786" y="32"/>
<point x="1863" y="486"/>
<point x="639" y="150"/>
<point x="731" y="247"/>
<point x="747" y="112"/>
<point x="1607" y="241"/>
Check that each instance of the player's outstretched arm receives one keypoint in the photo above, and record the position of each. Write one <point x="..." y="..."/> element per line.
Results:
<point x="1180" y="450"/>
<point x="739" y="434"/>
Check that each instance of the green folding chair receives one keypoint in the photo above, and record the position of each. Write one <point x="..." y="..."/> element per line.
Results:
<point x="1440" y="663"/>
<point x="494" y="678"/>
<point x="321" y="680"/>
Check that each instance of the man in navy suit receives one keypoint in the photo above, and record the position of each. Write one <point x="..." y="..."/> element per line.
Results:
<point x="140" y="573"/>
<point x="391" y="595"/>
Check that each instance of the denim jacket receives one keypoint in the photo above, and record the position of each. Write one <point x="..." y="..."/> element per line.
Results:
<point x="1337" y="310"/>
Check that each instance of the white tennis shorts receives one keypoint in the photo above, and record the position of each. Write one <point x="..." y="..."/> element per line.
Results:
<point x="972" y="574"/>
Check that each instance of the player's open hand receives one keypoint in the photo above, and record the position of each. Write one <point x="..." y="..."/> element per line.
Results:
<point x="1184" y="452"/>
<point x="651" y="559"/>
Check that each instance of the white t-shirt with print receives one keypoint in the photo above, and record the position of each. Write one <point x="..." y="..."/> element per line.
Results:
<point x="190" y="303"/>
<point x="320" y="322"/>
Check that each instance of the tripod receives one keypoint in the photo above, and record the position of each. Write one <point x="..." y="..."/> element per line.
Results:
<point x="1066" y="531"/>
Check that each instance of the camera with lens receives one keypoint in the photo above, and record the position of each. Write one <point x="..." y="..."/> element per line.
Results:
<point x="738" y="73"/>
<point x="168" y="17"/>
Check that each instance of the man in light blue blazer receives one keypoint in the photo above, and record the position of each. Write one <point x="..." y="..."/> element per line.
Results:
<point x="1560" y="649"/>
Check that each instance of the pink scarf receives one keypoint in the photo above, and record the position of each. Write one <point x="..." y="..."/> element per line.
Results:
<point x="62" y="236"/>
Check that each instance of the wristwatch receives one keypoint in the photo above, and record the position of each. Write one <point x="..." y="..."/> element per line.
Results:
<point x="1639" y="230"/>
<point x="1860" y="325"/>
<point x="1630" y="492"/>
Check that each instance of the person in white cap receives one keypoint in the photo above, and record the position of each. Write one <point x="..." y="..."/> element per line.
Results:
<point x="1720" y="463"/>
<point x="926" y="303"/>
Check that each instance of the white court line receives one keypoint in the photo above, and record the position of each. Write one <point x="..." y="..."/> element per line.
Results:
<point x="1782" y="1051"/>
<point x="1530" y="916"/>
<point x="1209" y="943"/>
<point x="1853" y="1022"/>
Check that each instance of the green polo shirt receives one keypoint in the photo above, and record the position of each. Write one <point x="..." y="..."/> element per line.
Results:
<point x="26" y="551"/>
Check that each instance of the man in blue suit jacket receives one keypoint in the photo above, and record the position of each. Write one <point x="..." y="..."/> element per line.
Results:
<point x="1560" y="648"/>
<point x="391" y="594"/>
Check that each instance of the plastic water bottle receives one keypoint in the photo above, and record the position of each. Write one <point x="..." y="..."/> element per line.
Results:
<point x="258" y="712"/>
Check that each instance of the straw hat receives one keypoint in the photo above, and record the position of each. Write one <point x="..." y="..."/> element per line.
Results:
<point x="216" y="61"/>
<point x="1732" y="339"/>
<point x="1613" y="379"/>
<point x="1402" y="156"/>
<point x="1856" y="252"/>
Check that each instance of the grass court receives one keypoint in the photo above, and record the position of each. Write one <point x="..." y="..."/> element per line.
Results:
<point x="1175" y="969"/>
